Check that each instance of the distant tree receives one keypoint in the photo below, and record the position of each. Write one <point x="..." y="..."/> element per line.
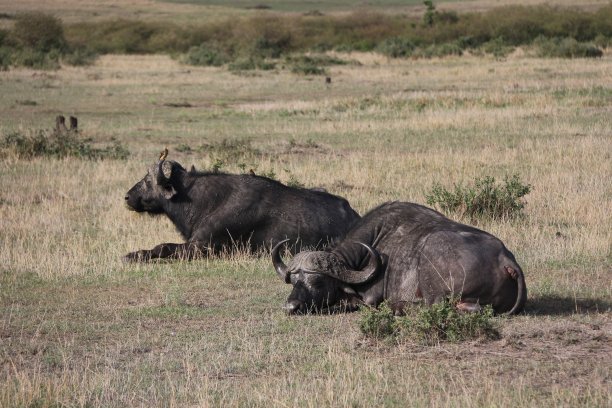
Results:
<point x="39" y="31"/>
<point x="428" y="17"/>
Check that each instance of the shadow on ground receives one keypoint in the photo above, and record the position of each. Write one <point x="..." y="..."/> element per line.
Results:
<point x="560" y="305"/>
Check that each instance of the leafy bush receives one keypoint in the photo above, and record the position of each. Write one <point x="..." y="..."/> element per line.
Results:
<point x="42" y="143"/>
<point x="80" y="57"/>
<point x="441" y="50"/>
<point x="497" y="47"/>
<point x="428" y="325"/>
<point x="5" y="58"/>
<point x="396" y="47"/>
<point x="484" y="199"/>
<point x="36" y="59"/>
<point x="39" y="31"/>
<point x="565" y="48"/>
<point x="377" y="323"/>
<point x="308" y="69"/>
<point x="250" y="63"/>
<point x="205" y="56"/>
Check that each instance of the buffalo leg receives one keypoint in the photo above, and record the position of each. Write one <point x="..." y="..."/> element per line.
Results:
<point x="186" y="251"/>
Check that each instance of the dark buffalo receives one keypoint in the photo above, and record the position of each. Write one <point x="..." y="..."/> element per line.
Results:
<point x="405" y="253"/>
<point x="216" y="211"/>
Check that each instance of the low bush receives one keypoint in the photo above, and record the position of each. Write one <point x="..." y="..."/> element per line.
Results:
<point x="484" y="199"/>
<point x="497" y="47"/>
<point x="250" y="63"/>
<point x="57" y="144"/>
<point x="205" y="56"/>
<point x="80" y="57"/>
<point x="37" y="41"/>
<point x="565" y="48"/>
<point x="396" y="47"/>
<point x="428" y="325"/>
<point x="39" y="31"/>
<point x="36" y="59"/>
<point x="441" y="50"/>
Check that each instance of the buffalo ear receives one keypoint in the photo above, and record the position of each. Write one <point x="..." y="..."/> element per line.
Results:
<point x="169" y="192"/>
<point x="166" y="169"/>
<point x="164" y="173"/>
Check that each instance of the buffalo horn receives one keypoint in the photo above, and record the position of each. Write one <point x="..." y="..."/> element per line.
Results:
<point x="373" y="268"/>
<point x="279" y="265"/>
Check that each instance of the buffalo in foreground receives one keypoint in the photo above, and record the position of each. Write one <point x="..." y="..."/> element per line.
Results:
<point x="216" y="211"/>
<point x="405" y="253"/>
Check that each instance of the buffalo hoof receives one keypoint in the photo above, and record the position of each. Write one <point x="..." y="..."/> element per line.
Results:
<point x="138" y="256"/>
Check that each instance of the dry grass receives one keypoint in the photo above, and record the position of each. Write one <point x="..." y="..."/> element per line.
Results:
<point x="80" y="328"/>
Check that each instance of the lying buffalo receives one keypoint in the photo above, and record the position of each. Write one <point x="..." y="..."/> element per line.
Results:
<point x="405" y="253"/>
<point x="213" y="211"/>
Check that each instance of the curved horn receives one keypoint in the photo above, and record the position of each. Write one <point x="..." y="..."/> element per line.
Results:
<point x="279" y="265"/>
<point x="373" y="268"/>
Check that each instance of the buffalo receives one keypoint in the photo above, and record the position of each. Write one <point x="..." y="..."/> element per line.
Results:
<point x="405" y="253"/>
<point x="215" y="211"/>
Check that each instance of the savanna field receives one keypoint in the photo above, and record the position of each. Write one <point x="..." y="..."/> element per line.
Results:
<point x="81" y="328"/>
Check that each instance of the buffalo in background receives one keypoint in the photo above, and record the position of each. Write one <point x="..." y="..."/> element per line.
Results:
<point x="405" y="253"/>
<point x="216" y="211"/>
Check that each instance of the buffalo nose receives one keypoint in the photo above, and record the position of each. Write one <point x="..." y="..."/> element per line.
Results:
<point x="127" y="197"/>
<point x="293" y="307"/>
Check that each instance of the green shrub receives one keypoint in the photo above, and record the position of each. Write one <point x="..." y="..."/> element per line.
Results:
<point x="396" y="47"/>
<point x="42" y="143"/>
<point x="39" y="31"/>
<point x="443" y="322"/>
<point x="205" y="56"/>
<point x="484" y="199"/>
<point x="249" y="64"/>
<point x="6" y="58"/>
<point x="80" y="57"/>
<point x="441" y="50"/>
<point x="497" y="47"/>
<point x="35" y="59"/>
<point x="428" y="325"/>
<point x="377" y="323"/>
<point x="565" y="48"/>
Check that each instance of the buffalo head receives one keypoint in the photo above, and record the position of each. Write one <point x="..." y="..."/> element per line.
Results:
<point x="321" y="279"/>
<point x="155" y="189"/>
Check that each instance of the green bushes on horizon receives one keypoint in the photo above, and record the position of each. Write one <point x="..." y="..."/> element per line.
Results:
<point x="38" y="40"/>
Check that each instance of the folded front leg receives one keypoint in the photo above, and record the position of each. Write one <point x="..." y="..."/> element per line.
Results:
<point x="185" y="251"/>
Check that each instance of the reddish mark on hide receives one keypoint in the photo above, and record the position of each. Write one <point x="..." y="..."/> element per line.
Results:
<point x="510" y="271"/>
